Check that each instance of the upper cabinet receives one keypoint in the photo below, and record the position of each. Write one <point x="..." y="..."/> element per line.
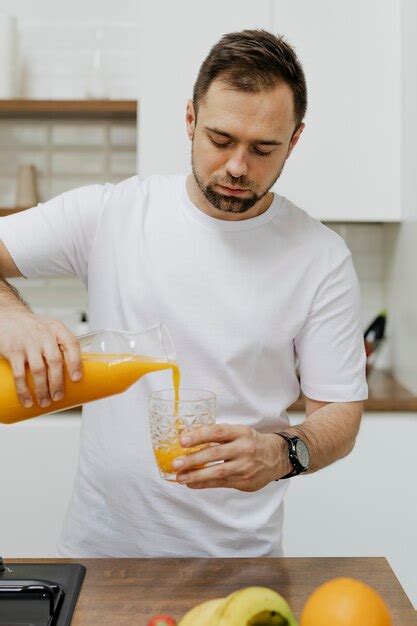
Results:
<point x="347" y="165"/>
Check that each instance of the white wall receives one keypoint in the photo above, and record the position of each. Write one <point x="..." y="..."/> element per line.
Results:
<point x="402" y="276"/>
<point x="77" y="10"/>
<point x="56" y="41"/>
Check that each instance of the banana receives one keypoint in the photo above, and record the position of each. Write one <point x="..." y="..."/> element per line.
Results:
<point x="201" y="614"/>
<point x="252" y="606"/>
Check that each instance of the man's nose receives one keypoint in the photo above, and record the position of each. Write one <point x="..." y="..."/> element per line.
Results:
<point x="237" y="166"/>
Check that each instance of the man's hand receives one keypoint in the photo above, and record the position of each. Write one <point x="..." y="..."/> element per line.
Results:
<point x="46" y="346"/>
<point x="248" y="460"/>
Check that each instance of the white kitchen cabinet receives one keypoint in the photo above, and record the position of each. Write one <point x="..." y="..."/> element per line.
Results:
<point x="347" y="165"/>
<point x="363" y="505"/>
<point x="37" y="468"/>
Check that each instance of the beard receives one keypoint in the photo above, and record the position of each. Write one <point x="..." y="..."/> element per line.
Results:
<point x="230" y="204"/>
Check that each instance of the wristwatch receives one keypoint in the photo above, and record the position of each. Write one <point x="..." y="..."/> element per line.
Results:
<point x="298" y="454"/>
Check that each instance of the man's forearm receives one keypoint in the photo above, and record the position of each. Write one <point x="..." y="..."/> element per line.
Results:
<point x="329" y="432"/>
<point x="10" y="298"/>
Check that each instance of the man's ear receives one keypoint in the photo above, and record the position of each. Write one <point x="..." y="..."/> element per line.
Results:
<point x="295" y="138"/>
<point x="190" y="119"/>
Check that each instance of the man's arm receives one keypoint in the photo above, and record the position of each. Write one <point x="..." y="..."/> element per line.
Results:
<point x="10" y="298"/>
<point x="251" y="460"/>
<point x="8" y="268"/>
<point x="329" y="431"/>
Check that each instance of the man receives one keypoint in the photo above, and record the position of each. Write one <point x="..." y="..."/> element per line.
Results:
<point x="246" y="282"/>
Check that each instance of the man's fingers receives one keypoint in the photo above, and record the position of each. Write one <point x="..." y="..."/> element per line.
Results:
<point x="221" y="472"/>
<point x="17" y="362"/>
<point x="38" y="342"/>
<point x="217" y="433"/>
<point x="37" y="368"/>
<point x="72" y="352"/>
<point x="55" y="372"/>
<point x="212" y="454"/>
<point x="212" y="484"/>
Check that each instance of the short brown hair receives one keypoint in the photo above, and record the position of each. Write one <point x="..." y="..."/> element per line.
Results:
<point x="253" y="60"/>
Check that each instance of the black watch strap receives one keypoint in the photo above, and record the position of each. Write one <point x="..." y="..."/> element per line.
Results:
<point x="297" y="467"/>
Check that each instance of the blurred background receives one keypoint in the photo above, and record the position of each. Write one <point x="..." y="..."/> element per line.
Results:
<point x="96" y="92"/>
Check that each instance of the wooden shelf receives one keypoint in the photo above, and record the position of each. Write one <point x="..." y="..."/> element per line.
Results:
<point x="97" y="109"/>
<point x="385" y="395"/>
<point x="9" y="210"/>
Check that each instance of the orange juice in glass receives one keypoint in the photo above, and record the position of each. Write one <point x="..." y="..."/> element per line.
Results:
<point x="170" y="416"/>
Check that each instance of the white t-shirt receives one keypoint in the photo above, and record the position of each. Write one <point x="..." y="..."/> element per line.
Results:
<point x="242" y="300"/>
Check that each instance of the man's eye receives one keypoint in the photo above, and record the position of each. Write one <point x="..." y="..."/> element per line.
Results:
<point x="260" y="153"/>
<point x="220" y="145"/>
<point x="227" y="143"/>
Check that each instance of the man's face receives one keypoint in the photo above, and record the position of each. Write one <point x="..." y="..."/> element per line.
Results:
<point x="240" y="143"/>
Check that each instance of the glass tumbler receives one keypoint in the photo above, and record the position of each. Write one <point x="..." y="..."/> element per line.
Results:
<point x="169" y="418"/>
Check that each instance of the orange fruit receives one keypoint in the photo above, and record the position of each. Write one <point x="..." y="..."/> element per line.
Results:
<point x="345" y="602"/>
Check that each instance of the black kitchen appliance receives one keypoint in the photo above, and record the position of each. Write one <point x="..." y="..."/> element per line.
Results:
<point x="39" y="594"/>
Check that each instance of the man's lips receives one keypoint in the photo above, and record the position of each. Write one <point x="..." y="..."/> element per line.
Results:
<point x="233" y="191"/>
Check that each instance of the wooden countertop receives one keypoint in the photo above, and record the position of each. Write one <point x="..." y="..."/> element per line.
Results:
<point x="385" y="394"/>
<point x="126" y="592"/>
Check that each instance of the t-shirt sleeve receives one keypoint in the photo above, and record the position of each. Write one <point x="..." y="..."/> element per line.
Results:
<point x="55" y="237"/>
<point x="330" y="345"/>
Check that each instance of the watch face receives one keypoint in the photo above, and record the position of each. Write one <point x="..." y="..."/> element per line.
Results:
<point x="302" y="454"/>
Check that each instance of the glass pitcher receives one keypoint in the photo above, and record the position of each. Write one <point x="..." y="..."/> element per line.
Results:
<point x="112" y="360"/>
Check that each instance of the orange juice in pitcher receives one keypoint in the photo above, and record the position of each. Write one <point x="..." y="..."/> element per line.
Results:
<point x="111" y="361"/>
